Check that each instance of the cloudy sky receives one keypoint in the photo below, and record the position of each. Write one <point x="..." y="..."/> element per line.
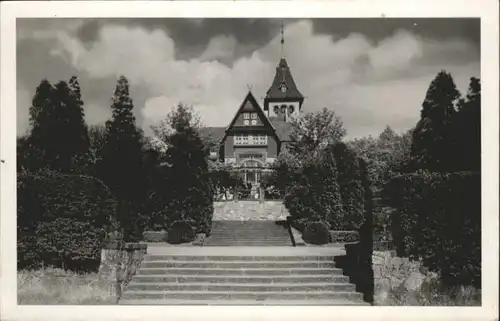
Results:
<point x="371" y="72"/>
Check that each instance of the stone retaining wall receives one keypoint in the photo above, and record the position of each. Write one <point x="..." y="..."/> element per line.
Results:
<point x="119" y="263"/>
<point x="392" y="272"/>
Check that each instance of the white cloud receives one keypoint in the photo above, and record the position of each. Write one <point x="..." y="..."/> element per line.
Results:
<point x="368" y="84"/>
<point x="220" y="47"/>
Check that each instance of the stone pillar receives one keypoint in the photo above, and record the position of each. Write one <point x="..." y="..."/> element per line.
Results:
<point x="261" y="194"/>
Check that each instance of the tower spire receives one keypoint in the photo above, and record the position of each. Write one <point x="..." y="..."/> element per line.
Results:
<point x="282" y="40"/>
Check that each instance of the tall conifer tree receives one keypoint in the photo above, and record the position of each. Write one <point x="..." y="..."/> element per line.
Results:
<point x="120" y="165"/>
<point x="431" y="146"/>
<point x="80" y="142"/>
<point x="467" y="129"/>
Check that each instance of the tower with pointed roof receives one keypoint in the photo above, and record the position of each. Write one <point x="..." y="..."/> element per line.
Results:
<point x="283" y="100"/>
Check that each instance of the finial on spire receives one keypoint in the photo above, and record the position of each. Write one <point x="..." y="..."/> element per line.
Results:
<point x="282" y="39"/>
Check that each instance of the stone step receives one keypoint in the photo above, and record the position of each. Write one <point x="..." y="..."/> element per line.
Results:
<point x="214" y="243"/>
<point x="318" y="302"/>
<point x="237" y="264"/>
<point x="231" y="236"/>
<point x="238" y="287"/>
<point x="248" y="271"/>
<point x="148" y="258"/>
<point x="257" y="296"/>
<point x="328" y="278"/>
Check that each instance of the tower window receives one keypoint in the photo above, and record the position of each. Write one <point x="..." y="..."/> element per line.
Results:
<point x="291" y="109"/>
<point x="276" y="110"/>
<point x="283" y="109"/>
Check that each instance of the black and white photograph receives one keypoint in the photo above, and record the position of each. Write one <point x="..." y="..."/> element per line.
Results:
<point x="275" y="161"/>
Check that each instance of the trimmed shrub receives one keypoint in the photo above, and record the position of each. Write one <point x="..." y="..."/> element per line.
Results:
<point x="154" y="236"/>
<point x="316" y="232"/>
<point x="181" y="232"/>
<point x="437" y="219"/>
<point x="62" y="220"/>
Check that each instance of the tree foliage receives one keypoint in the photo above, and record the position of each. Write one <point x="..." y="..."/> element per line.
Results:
<point x="385" y="155"/>
<point x="186" y="164"/>
<point x="432" y="135"/>
<point x="120" y="160"/>
<point x="58" y="139"/>
<point x="467" y="130"/>
<point x="312" y="132"/>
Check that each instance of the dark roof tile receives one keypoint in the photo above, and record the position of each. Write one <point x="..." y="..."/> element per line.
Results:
<point x="283" y="75"/>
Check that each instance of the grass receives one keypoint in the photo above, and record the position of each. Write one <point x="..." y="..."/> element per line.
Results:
<point x="431" y="294"/>
<point x="56" y="286"/>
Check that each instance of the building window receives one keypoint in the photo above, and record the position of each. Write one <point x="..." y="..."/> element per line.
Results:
<point x="283" y="109"/>
<point x="291" y="109"/>
<point x="246" y="116"/>
<point x="261" y="140"/>
<point x="246" y="122"/>
<point x="254" y="122"/>
<point x="244" y="139"/>
<point x="254" y="115"/>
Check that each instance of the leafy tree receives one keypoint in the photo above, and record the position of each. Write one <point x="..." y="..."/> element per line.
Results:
<point x="120" y="161"/>
<point x="314" y="131"/>
<point x="385" y="155"/>
<point x="431" y="146"/>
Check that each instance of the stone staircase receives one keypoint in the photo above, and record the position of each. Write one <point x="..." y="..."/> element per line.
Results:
<point x="248" y="233"/>
<point x="240" y="280"/>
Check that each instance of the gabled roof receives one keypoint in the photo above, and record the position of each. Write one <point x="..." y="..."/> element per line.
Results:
<point x="283" y="75"/>
<point x="281" y="128"/>
<point x="251" y="99"/>
<point x="215" y="133"/>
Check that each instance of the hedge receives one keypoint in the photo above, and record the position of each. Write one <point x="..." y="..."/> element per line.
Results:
<point x="314" y="194"/>
<point x="351" y="187"/>
<point x="331" y="188"/>
<point x="62" y="220"/>
<point x="437" y="219"/>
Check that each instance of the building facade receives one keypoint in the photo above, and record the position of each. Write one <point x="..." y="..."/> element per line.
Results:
<point x="255" y="136"/>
